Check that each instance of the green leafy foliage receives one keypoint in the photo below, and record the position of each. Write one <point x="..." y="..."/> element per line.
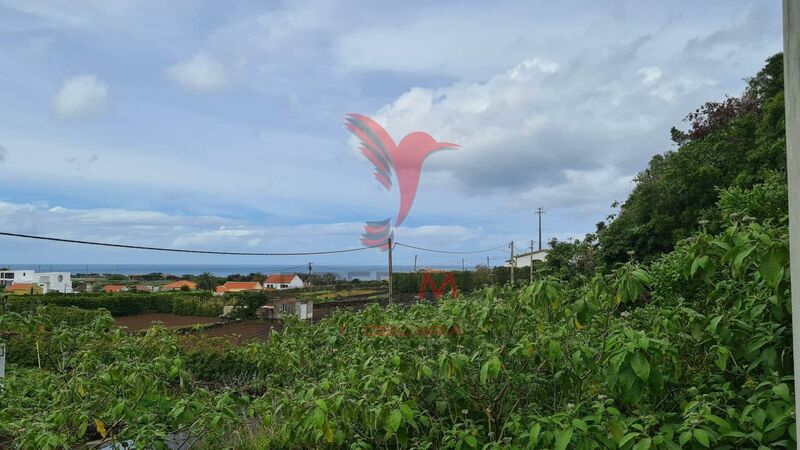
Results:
<point x="692" y="351"/>
<point x="733" y="145"/>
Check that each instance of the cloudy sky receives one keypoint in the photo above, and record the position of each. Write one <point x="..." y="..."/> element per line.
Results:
<point x="219" y="125"/>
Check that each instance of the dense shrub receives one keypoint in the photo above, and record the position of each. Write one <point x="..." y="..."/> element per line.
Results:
<point x="125" y="304"/>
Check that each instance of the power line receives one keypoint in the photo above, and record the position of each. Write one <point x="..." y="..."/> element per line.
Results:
<point x="446" y="251"/>
<point x="177" y="250"/>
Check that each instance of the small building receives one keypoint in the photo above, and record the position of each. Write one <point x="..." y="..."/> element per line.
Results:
<point x="279" y="308"/>
<point x="145" y="288"/>
<point x="238" y="286"/>
<point x="24" y="289"/>
<point x="115" y="288"/>
<point x="280" y="281"/>
<point x="525" y="259"/>
<point x="178" y="285"/>
<point x="48" y="281"/>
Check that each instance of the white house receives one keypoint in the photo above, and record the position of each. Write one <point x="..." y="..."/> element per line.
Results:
<point x="49" y="281"/>
<point x="524" y="259"/>
<point x="278" y="281"/>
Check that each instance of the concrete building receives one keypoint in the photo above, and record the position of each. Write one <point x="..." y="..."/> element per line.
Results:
<point x="524" y="259"/>
<point x="276" y="281"/>
<point x="280" y="308"/>
<point x="47" y="281"/>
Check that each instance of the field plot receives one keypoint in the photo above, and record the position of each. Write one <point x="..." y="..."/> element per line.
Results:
<point x="243" y="331"/>
<point x="142" y="321"/>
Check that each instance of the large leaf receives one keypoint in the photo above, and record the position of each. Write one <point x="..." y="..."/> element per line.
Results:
<point x="640" y="366"/>
<point x="562" y="439"/>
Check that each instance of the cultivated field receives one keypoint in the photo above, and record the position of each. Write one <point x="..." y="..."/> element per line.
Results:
<point x="142" y="321"/>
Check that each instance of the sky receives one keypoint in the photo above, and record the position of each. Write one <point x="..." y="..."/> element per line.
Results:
<point x="219" y="125"/>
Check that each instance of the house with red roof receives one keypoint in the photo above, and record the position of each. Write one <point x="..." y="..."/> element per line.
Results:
<point x="115" y="288"/>
<point x="178" y="285"/>
<point x="238" y="286"/>
<point x="280" y="281"/>
<point x="24" y="289"/>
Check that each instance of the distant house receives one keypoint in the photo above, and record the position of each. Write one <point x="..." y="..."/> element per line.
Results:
<point x="238" y="286"/>
<point x="24" y="289"/>
<point x="115" y="288"/>
<point x="48" y="281"/>
<point x="431" y="270"/>
<point x="524" y="259"/>
<point x="178" y="285"/>
<point x="279" y="308"/>
<point x="279" y="281"/>
<point x="145" y="288"/>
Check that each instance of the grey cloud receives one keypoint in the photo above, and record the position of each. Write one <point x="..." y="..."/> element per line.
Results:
<point x="3" y="153"/>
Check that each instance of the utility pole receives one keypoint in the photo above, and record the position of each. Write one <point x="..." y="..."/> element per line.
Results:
<point x="389" y="243"/>
<point x="791" y="76"/>
<point x="462" y="264"/>
<point x="531" y="265"/>
<point x="539" y="213"/>
<point x="415" y="263"/>
<point x="511" y="263"/>
<point x="309" y="269"/>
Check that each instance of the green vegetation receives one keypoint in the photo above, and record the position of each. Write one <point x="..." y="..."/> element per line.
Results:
<point x="669" y="328"/>
<point x="125" y="304"/>
<point x="734" y="144"/>
<point x="692" y="351"/>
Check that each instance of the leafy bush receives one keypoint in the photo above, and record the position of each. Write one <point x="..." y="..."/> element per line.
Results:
<point x="693" y="352"/>
<point x="125" y="304"/>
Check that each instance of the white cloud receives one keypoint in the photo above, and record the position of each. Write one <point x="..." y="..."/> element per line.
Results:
<point x="200" y="73"/>
<point x="80" y="96"/>
<point x="649" y="74"/>
<point x="671" y="90"/>
<point x="3" y="153"/>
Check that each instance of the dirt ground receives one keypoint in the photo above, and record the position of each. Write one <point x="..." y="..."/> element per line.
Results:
<point x="244" y="331"/>
<point x="141" y="321"/>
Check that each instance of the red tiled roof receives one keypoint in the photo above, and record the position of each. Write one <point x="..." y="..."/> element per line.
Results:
<point x="179" y="284"/>
<point x="280" y="279"/>
<point x="239" y="286"/>
<point x="113" y="288"/>
<point x="19" y="286"/>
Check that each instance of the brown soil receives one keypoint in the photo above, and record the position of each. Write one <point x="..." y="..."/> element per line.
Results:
<point x="142" y="321"/>
<point x="243" y="331"/>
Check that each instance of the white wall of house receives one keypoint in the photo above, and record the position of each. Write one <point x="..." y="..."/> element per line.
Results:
<point x="49" y="281"/>
<point x="524" y="260"/>
<point x="54" y="281"/>
<point x="294" y="284"/>
<point x="9" y="277"/>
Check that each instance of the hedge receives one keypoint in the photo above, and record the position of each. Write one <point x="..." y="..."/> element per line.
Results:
<point x="127" y="304"/>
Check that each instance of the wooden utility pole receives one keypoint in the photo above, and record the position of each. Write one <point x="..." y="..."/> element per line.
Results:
<point x="511" y="263"/>
<point x="531" y="265"/>
<point x="391" y="288"/>
<point x="415" y="263"/>
<point x="791" y="77"/>
<point x="539" y="212"/>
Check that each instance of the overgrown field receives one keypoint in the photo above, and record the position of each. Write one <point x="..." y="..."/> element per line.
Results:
<point x="693" y="351"/>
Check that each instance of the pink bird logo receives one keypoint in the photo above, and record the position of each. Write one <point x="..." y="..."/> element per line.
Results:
<point x="403" y="160"/>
